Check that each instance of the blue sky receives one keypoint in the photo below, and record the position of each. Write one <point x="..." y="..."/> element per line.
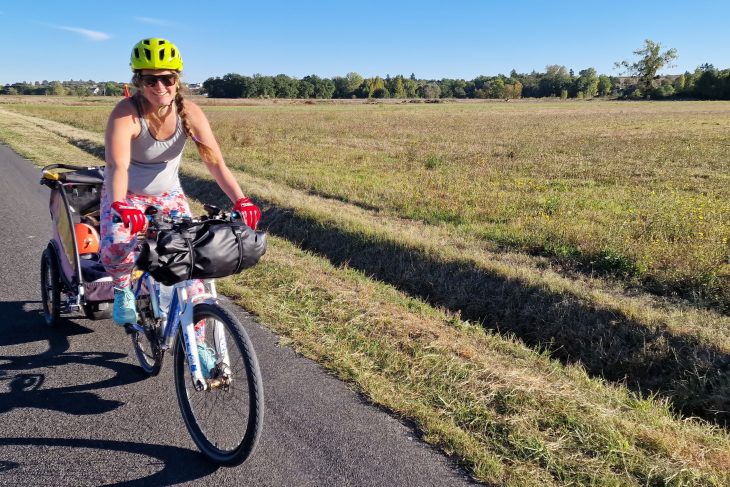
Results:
<point x="432" y="39"/>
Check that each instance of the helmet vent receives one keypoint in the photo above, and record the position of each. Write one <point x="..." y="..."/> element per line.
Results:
<point x="148" y="54"/>
<point x="162" y="54"/>
<point x="136" y="53"/>
<point x="147" y="41"/>
<point x="161" y="41"/>
<point x="173" y="52"/>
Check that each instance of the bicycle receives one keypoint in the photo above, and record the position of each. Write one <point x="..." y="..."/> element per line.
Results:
<point x="217" y="377"/>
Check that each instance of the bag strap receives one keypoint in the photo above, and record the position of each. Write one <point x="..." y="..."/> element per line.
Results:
<point x="188" y="237"/>
<point x="238" y="232"/>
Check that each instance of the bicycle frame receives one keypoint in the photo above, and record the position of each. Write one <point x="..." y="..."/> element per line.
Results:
<point x="180" y="313"/>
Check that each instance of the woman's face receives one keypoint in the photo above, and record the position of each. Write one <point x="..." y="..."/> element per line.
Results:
<point x="154" y="86"/>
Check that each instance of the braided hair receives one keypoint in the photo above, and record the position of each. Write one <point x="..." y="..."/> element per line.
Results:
<point x="206" y="153"/>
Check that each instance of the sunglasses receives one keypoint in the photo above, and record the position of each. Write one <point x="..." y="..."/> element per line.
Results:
<point x="151" y="79"/>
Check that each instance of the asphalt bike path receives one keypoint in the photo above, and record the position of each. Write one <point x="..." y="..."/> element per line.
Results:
<point x="76" y="410"/>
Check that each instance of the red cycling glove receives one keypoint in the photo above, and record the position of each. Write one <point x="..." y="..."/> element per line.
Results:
<point x="249" y="211"/>
<point x="130" y="216"/>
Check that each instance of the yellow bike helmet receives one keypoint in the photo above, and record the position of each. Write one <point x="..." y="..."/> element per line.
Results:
<point x="156" y="53"/>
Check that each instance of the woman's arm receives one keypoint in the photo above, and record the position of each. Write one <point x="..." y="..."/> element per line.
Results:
<point x="212" y="156"/>
<point x="120" y="129"/>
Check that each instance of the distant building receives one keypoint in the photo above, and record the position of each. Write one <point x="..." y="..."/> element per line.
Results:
<point x="194" y="88"/>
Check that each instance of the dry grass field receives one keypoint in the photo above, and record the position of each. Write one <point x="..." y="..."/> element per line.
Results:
<point x="636" y="190"/>
<point x="541" y="287"/>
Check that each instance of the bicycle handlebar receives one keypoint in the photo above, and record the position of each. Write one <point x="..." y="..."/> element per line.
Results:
<point x="157" y="221"/>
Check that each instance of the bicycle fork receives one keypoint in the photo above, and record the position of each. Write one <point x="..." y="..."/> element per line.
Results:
<point x="189" y="336"/>
<point x="188" y="333"/>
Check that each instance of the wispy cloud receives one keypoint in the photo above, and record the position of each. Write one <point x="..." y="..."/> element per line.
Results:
<point x="150" y="20"/>
<point x="89" y="34"/>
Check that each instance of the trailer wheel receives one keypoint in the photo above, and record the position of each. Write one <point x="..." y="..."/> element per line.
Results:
<point x="50" y="287"/>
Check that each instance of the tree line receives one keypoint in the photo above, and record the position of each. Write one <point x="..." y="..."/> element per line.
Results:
<point x="556" y="81"/>
<point x="62" y="88"/>
<point x="705" y="82"/>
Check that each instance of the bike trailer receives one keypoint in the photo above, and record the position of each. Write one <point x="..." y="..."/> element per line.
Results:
<point x="71" y="272"/>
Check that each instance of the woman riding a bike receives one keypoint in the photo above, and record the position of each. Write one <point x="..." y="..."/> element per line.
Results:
<point x="145" y="137"/>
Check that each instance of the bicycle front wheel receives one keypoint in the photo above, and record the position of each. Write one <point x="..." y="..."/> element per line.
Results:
<point x="225" y="420"/>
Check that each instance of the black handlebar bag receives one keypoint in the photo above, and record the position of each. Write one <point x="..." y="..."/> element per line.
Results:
<point x="202" y="250"/>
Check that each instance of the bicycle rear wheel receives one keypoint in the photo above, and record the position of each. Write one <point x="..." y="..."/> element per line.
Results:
<point x="149" y="355"/>
<point x="225" y="420"/>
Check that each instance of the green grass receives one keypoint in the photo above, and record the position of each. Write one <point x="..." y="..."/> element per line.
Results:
<point x="513" y="416"/>
<point x="636" y="190"/>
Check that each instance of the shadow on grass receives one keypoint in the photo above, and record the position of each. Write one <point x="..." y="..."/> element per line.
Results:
<point x="692" y="374"/>
<point x="88" y="146"/>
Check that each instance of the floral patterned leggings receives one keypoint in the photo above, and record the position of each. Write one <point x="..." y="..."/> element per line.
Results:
<point x="118" y="244"/>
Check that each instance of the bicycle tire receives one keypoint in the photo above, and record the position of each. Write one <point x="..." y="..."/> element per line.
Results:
<point x="220" y="450"/>
<point x="149" y="355"/>
<point x="50" y="287"/>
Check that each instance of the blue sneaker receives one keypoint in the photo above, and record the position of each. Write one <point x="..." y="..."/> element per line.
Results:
<point x="206" y="355"/>
<point x="124" y="311"/>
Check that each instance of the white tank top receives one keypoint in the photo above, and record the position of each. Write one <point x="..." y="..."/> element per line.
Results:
<point x="155" y="163"/>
